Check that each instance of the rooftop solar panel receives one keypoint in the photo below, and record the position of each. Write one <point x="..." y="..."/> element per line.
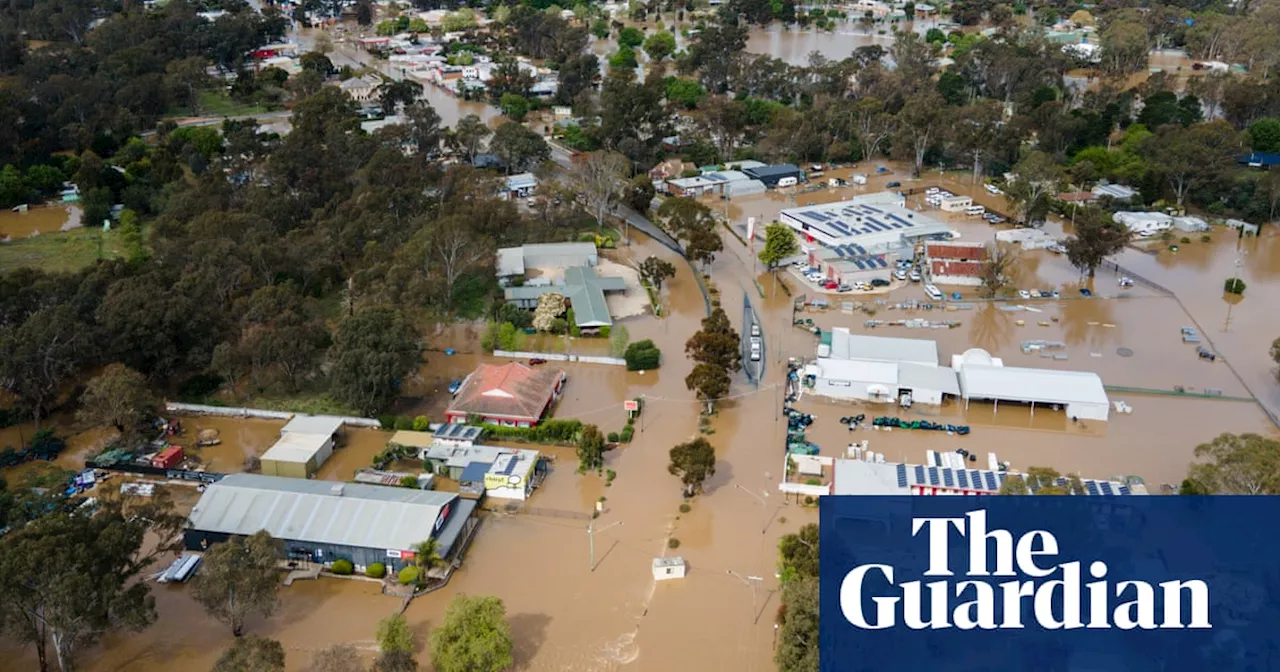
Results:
<point x="933" y="476"/>
<point x="1124" y="489"/>
<point x="902" y="475"/>
<point x="1106" y="488"/>
<point x="858" y="263"/>
<point x="920" y="474"/>
<point x="948" y="479"/>
<point x="839" y="252"/>
<point x="962" y="477"/>
<point x="871" y="208"/>
<point x="1091" y="487"/>
<point x="990" y="480"/>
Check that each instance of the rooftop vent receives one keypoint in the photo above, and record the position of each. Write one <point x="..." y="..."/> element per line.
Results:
<point x="337" y="490"/>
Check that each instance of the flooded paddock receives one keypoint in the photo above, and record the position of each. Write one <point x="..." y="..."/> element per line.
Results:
<point x="39" y="220"/>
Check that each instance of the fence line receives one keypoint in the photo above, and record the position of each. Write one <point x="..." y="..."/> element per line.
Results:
<point x="560" y="357"/>
<point x="550" y="513"/>
<point x="232" y="412"/>
<point x="1111" y="265"/>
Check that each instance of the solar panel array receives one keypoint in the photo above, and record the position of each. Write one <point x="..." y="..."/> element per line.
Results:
<point x="984" y="480"/>
<point x="853" y="220"/>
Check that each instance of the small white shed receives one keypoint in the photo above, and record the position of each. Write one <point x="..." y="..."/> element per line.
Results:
<point x="668" y="568"/>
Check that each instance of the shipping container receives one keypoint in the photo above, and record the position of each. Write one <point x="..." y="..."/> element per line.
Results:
<point x="168" y="458"/>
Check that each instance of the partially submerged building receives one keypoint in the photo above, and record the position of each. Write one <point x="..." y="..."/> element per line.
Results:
<point x="492" y="471"/>
<point x="955" y="263"/>
<point x="986" y="378"/>
<point x="512" y="394"/>
<point x="860" y="477"/>
<point x="880" y="369"/>
<point x="1144" y="224"/>
<point x="584" y="289"/>
<point x="321" y="521"/>
<point x="306" y="442"/>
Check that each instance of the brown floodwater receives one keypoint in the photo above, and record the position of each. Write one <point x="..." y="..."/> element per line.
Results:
<point x="564" y="616"/>
<point x="39" y="220"/>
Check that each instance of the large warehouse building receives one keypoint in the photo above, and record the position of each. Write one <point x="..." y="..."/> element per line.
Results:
<point x="877" y="368"/>
<point x="321" y="521"/>
<point x="983" y="377"/>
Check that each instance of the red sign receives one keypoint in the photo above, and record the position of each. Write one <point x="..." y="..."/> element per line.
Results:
<point x="631" y="405"/>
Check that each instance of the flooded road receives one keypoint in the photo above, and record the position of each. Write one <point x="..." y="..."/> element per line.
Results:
<point x="39" y="220"/>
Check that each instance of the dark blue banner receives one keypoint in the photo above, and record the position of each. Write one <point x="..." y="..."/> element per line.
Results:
<point x="1051" y="583"/>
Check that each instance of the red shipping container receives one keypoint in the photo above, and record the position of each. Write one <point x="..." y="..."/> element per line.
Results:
<point x="167" y="458"/>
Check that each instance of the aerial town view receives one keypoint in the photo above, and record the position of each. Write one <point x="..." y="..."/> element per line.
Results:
<point x="511" y="335"/>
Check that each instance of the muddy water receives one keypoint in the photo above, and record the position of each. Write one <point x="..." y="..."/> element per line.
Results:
<point x="241" y="438"/>
<point x="81" y="445"/>
<point x="39" y="220"/>
<point x="794" y="45"/>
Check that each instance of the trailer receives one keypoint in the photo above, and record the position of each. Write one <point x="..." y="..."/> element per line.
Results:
<point x="168" y="458"/>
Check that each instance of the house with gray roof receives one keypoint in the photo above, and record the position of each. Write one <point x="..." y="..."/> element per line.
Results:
<point x="585" y="290"/>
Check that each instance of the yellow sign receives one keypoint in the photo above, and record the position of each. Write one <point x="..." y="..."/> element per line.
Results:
<point x="494" y="481"/>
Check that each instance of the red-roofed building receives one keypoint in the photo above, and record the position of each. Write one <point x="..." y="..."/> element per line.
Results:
<point x="955" y="263"/>
<point x="514" y="395"/>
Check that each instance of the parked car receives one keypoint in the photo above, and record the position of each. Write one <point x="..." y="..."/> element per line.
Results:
<point x="956" y="296"/>
<point x="934" y="293"/>
<point x="844" y="288"/>
<point x="879" y="282"/>
<point x="455" y="385"/>
<point x="755" y="329"/>
<point x="536" y="361"/>
<point x="1024" y="294"/>
<point x="1084" y="291"/>
<point x="1205" y="353"/>
<point x="900" y="274"/>
<point x="830" y="284"/>
<point x="1055" y="294"/>
<point x="893" y="185"/>
<point x="915" y="275"/>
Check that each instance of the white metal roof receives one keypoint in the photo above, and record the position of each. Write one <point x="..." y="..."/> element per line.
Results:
<point x="845" y="345"/>
<point x="298" y="509"/>
<point x="884" y="373"/>
<point x="919" y="377"/>
<point x="296" y="447"/>
<point x="1048" y="386"/>
<point x="328" y="425"/>
<point x="855" y="477"/>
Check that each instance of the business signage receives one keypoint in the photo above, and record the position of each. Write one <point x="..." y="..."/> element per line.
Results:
<point x="444" y="515"/>
<point x="1009" y="584"/>
<point x="392" y="553"/>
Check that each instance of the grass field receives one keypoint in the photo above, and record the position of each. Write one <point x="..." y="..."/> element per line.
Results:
<point x="218" y="104"/>
<point x="67" y="251"/>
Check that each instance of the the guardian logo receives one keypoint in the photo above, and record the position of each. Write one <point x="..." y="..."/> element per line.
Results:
<point x="1063" y="602"/>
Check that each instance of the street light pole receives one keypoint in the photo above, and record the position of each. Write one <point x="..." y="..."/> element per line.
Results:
<point x="750" y="581"/>
<point x="591" y="534"/>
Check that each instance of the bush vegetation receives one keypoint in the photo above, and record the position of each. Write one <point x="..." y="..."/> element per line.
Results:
<point x="554" y="431"/>
<point x="409" y="575"/>
<point x="376" y="571"/>
<point x="642" y="356"/>
<point x="342" y="567"/>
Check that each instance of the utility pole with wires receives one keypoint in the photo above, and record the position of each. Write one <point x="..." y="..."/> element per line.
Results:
<point x="591" y="534"/>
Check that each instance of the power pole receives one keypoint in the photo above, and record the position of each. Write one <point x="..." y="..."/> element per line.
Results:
<point x="591" y="534"/>
<point x="750" y="581"/>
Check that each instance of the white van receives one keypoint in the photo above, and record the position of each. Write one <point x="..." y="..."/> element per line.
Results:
<point x="858" y="179"/>
<point x="975" y="210"/>
<point x="933" y="292"/>
<point x="992" y="189"/>
<point x="788" y="182"/>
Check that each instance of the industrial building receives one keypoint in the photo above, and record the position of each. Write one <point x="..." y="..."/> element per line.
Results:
<point x="306" y="441"/>
<point x="1117" y="192"/>
<point x="860" y="477"/>
<point x="871" y="224"/>
<point x="320" y="521"/>
<point x="983" y="377"/>
<point x="955" y="263"/>
<point x="781" y="174"/>
<point x="880" y="369"/>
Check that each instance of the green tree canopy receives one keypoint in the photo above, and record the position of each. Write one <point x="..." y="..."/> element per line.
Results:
<point x="779" y="243"/>
<point x="252" y="654"/>
<point x="373" y="350"/>
<point x="1237" y="464"/>
<point x="474" y="637"/>
<point x="239" y="577"/>
<point x="798" y="554"/>
<point x="694" y="462"/>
